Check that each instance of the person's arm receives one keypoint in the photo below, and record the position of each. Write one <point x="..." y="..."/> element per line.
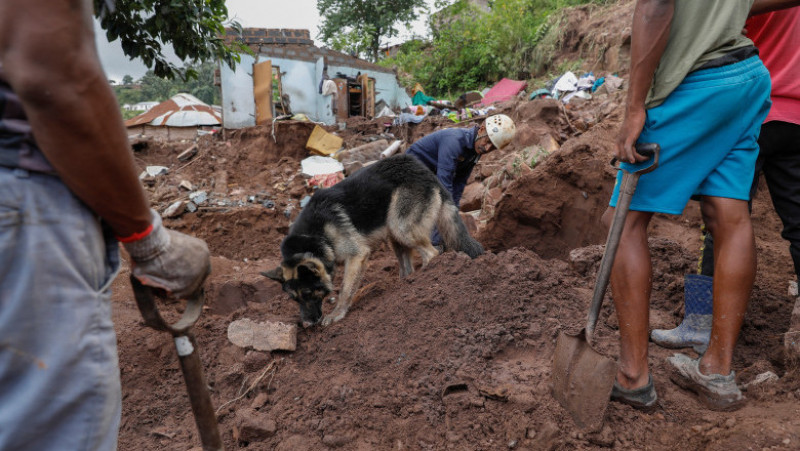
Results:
<point x="765" y="6"/>
<point x="49" y="58"/>
<point x="651" y="24"/>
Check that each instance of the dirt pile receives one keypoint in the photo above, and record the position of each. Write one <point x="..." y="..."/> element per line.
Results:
<point x="457" y="355"/>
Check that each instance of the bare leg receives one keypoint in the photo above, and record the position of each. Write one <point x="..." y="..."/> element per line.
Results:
<point x="630" y="286"/>
<point x="353" y="271"/>
<point x="734" y="274"/>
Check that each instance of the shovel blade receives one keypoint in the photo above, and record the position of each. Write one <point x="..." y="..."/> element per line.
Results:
<point x="582" y="380"/>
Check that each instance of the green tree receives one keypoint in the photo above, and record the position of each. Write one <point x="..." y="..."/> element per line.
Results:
<point x="127" y="79"/>
<point x="194" y="28"/>
<point x="357" y="26"/>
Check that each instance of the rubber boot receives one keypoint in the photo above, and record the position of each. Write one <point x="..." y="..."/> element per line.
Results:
<point x="695" y="330"/>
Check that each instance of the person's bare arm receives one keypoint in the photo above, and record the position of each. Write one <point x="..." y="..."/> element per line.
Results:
<point x="48" y="54"/>
<point x="765" y="6"/>
<point x="650" y="33"/>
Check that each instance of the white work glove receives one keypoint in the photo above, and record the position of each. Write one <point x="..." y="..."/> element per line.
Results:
<point x="169" y="260"/>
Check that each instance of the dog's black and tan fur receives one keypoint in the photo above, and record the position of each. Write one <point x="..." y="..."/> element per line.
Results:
<point x="396" y="200"/>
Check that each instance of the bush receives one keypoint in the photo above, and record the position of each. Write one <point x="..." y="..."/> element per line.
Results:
<point x="471" y="48"/>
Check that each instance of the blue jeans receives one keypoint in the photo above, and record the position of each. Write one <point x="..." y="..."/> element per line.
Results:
<point x="59" y="375"/>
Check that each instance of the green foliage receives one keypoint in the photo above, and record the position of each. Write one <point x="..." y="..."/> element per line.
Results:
<point x="357" y="26"/>
<point x="157" y="89"/>
<point x="194" y="28"/>
<point x="471" y="48"/>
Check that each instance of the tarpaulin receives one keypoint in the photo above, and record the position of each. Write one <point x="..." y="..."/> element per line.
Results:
<point x="505" y="89"/>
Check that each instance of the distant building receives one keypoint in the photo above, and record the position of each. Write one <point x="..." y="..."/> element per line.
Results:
<point x="286" y="73"/>
<point x="183" y="116"/>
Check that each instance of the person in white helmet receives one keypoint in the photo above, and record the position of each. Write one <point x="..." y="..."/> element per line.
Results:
<point x="452" y="153"/>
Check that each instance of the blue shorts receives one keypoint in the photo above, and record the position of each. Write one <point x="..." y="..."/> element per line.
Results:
<point x="708" y="131"/>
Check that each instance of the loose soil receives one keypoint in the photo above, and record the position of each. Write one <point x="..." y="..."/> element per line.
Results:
<point x="457" y="355"/>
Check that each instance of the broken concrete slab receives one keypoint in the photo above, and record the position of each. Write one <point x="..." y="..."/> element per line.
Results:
<point x="198" y="197"/>
<point x="174" y="210"/>
<point x="267" y="336"/>
<point x="154" y="171"/>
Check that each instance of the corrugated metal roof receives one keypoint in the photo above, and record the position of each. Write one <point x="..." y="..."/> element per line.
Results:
<point x="182" y="110"/>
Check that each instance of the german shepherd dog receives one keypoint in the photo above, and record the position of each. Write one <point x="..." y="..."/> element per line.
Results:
<point x="396" y="200"/>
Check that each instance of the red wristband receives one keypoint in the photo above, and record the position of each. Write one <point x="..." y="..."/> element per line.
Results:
<point x="136" y="236"/>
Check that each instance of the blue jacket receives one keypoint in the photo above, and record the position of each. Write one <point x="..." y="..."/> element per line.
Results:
<point x="451" y="155"/>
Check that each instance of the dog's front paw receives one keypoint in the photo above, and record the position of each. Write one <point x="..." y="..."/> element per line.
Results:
<point x="333" y="317"/>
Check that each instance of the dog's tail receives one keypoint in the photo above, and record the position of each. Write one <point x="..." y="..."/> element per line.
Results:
<point x="454" y="233"/>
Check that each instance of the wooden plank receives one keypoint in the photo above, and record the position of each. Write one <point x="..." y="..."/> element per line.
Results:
<point x="262" y="91"/>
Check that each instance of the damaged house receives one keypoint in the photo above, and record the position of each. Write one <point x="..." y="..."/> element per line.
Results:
<point x="288" y="74"/>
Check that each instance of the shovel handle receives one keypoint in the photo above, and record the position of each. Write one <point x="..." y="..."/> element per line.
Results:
<point x="186" y="345"/>
<point x="626" y="190"/>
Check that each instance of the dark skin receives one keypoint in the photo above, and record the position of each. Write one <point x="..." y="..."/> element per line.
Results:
<point x="48" y="54"/>
<point x="727" y="219"/>
<point x="483" y="144"/>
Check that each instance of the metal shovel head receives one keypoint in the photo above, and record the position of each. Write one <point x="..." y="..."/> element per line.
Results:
<point x="582" y="380"/>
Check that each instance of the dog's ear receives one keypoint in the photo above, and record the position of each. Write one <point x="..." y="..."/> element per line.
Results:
<point x="275" y="274"/>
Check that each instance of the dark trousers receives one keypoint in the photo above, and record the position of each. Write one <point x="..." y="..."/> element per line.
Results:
<point x="779" y="160"/>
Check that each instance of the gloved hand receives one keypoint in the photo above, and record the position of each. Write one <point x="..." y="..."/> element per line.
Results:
<point x="169" y="260"/>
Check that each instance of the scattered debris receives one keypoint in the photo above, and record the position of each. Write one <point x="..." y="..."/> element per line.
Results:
<point x="154" y="171"/>
<point x="321" y="142"/>
<point x="198" y="197"/>
<point x="767" y="377"/>
<point x="187" y="185"/>
<point x="305" y="201"/>
<point x="188" y="154"/>
<point x="174" y="210"/>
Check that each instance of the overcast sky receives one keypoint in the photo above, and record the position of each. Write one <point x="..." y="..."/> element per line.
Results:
<point x="249" y="13"/>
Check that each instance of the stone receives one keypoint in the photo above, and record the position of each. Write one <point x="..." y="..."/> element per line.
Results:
<point x="767" y="377"/>
<point x="153" y="171"/>
<point x="791" y="340"/>
<point x="259" y="401"/>
<point x="267" y="336"/>
<point x="255" y="361"/>
<point x="585" y="260"/>
<point x="198" y="197"/>
<point x="472" y="198"/>
<point x="187" y="185"/>
<point x="174" y="210"/>
<point x="493" y="196"/>
<point x="549" y="144"/>
<point x="253" y="426"/>
<point x="191" y="207"/>
<point x="605" y="437"/>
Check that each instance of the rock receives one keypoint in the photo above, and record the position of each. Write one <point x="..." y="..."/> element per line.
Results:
<point x="268" y="336"/>
<point x="198" y="197"/>
<point x="297" y="187"/>
<point x="268" y="204"/>
<point x="153" y="171"/>
<point x="253" y="426"/>
<point x="187" y="185"/>
<point x="174" y="210"/>
<point x="191" y="207"/>
<point x="259" y="401"/>
<point x="585" y="260"/>
<point x="472" y="198"/>
<point x="763" y="378"/>
<point x="493" y="196"/>
<point x="549" y="144"/>
<point x="605" y="437"/>
<point x="791" y="340"/>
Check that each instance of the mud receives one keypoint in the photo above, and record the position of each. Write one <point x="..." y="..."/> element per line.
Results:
<point x="457" y="355"/>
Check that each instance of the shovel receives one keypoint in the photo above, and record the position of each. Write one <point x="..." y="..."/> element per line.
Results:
<point x="186" y="345"/>
<point x="582" y="377"/>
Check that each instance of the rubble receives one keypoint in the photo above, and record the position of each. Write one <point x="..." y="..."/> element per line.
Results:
<point x="267" y="336"/>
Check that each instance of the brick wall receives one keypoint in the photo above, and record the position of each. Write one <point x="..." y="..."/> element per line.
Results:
<point x="251" y="36"/>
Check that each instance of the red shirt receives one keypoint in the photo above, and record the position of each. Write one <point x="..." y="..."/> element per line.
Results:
<point x="777" y="36"/>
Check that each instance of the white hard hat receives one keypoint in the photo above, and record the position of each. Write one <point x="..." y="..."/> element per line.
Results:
<point x="500" y="129"/>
